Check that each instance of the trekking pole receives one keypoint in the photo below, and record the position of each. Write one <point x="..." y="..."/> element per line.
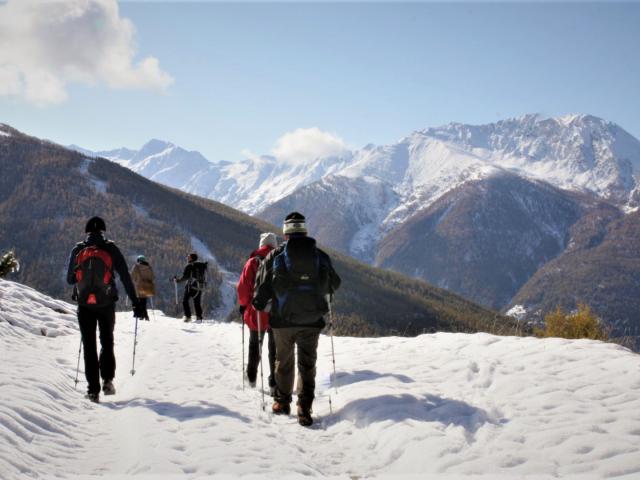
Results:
<point x="153" y="311"/>
<point x="333" y="353"/>
<point x="242" y="324"/>
<point x="260" y="357"/>
<point x="78" y="367"/>
<point x="204" y="285"/>
<point x="175" y="284"/>
<point x="135" y="342"/>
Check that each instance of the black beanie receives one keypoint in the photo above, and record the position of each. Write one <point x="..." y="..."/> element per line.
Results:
<point x="95" y="225"/>
<point x="193" y="256"/>
<point x="294" y="223"/>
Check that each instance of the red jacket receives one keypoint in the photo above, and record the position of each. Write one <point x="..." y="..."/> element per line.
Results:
<point x="245" y="289"/>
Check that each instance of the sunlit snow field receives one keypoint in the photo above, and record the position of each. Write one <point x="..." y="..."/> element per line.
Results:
<point x="442" y="406"/>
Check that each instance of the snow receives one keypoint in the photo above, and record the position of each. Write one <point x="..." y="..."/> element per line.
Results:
<point x="4" y="134"/>
<point x="46" y="316"/>
<point x="436" y="406"/>
<point x="100" y="186"/>
<point x="141" y="211"/>
<point x="517" y="311"/>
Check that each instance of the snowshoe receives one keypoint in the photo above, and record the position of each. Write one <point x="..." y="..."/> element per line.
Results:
<point x="93" y="397"/>
<point x="108" y="388"/>
<point x="281" y="408"/>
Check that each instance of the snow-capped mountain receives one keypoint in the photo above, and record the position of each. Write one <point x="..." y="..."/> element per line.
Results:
<point x="575" y="152"/>
<point x="248" y="185"/>
<point x="480" y="210"/>
<point x="365" y="200"/>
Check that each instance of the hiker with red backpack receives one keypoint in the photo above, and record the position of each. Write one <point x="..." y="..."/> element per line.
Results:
<point x="294" y="281"/>
<point x="257" y="326"/>
<point x="194" y="275"/>
<point x="91" y="270"/>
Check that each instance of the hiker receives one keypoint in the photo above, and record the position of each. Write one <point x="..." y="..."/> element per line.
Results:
<point x="91" y="266"/>
<point x="295" y="279"/>
<point x="194" y="276"/>
<point x="245" y="287"/>
<point x="144" y="281"/>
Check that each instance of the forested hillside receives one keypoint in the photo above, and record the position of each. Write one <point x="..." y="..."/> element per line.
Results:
<point x="47" y="192"/>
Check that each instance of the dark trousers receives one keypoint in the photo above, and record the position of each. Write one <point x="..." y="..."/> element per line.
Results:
<point x="196" y="295"/>
<point x="306" y="341"/>
<point x="254" y="356"/>
<point x="104" y="366"/>
<point x="143" y="308"/>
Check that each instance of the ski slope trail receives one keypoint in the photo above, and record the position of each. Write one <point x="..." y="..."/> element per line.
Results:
<point x="442" y="405"/>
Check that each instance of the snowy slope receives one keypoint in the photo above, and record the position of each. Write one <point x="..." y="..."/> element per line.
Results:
<point x="574" y="152"/>
<point x="246" y="185"/>
<point x="443" y="404"/>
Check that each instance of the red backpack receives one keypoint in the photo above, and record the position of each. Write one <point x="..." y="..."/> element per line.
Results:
<point x="94" y="277"/>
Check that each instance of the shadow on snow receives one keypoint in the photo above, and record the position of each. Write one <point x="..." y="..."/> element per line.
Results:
<point x="179" y="412"/>
<point x="344" y="378"/>
<point x="425" y="408"/>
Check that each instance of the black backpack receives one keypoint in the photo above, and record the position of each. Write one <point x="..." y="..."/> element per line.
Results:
<point x="94" y="277"/>
<point x="199" y="274"/>
<point x="301" y="282"/>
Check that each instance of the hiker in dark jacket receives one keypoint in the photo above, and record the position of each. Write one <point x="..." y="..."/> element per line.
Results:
<point x="90" y="270"/>
<point x="293" y="282"/>
<point x="192" y="289"/>
<point x="245" y="288"/>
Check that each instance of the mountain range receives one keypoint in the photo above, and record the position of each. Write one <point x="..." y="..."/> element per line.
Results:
<point x="47" y="192"/>
<point x="479" y="210"/>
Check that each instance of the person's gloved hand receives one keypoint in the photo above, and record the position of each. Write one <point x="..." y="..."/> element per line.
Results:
<point x="241" y="309"/>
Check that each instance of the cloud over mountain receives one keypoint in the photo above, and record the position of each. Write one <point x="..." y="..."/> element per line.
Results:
<point x="306" y="144"/>
<point x="45" y="45"/>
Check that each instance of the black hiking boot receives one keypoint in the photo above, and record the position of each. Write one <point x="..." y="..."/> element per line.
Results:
<point x="304" y="415"/>
<point x="252" y="383"/>
<point x="199" y="320"/>
<point x="108" y="388"/>
<point x="93" y="397"/>
<point x="187" y="319"/>
<point x="281" y="408"/>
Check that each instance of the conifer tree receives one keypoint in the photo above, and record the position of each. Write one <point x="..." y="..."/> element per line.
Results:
<point x="8" y="264"/>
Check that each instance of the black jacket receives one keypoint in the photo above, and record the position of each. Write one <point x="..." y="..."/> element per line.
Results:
<point x="264" y="292"/>
<point x="119" y="264"/>
<point x="189" y="275"/>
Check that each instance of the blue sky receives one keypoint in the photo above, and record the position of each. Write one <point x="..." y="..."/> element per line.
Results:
<point x="245" y="74"/>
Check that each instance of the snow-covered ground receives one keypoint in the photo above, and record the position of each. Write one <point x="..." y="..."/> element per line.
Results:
<point x="435" y="406"/>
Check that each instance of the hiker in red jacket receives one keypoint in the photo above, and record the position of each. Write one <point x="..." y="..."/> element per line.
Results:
<point x="268" y="242"/>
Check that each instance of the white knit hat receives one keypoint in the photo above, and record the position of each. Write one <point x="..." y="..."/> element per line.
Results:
<point x="294" y="223"/>
<point x="268" y="238"/>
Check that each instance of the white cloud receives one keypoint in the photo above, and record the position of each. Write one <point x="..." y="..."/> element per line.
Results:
<point x="306" y="144"/>
<point x="47" y="44"/>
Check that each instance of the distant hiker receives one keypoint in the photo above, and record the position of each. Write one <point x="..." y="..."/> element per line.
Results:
<point x="90" y="270"/>
<point x="195" y="277"/>
<point x="296" y="279"/>
<point x="144" y="281"/>
<point x="245" y="287"/>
